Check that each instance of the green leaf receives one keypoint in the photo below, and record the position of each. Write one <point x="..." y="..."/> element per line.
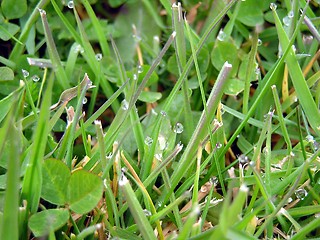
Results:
<point x="8" y="30"/>
<point x="250" y="13"/>
<point x="234" y="86"/>
<point x="56" y="176"/>
<point x="6" y="74"/>
<point x="149" y="97"/>
<point x="47" y="221"/>
<point x="13" y="9"/>
<point x="223" y="52"/>
<point x="84" y="191"/>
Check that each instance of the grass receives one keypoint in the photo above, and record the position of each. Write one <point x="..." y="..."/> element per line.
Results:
<point x="159" y="121"/>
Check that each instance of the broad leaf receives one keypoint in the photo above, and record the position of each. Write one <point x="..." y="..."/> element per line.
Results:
<point x="13" y="9"/>
<point x="56" y="176"/>
<point x="6" y="74"/>
<point x="84" y="191"/>
<point x="44" y="222"/>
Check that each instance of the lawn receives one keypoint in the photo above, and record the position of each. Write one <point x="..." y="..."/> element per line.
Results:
<point x="137" y="119"/>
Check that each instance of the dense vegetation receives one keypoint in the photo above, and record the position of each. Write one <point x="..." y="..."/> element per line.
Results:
<point x="151" y="119"/>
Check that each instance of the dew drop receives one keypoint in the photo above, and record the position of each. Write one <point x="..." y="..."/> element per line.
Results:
<point x="70" y="4"/>
<point x="307" y="39"/>
<point x="25" y="73"/>
<point x="98" y="57"/>
<point x="84" y="100"/>
<point x="147" y="212"/>
<point x="148" y="141"/>
<point x="214" y="180"/>
<point x="35" y="78"/>
<point x="109" y="155"/>
<point x="178" y="128"/>
<point x="221" y="35"/>
<point x="286" y="21"/>
<point x="158" y="156"/>
<point x="317" y="215"/>
<point x="125" y="105"/>
<point x="243" y="159"/>
<point x="259" y="43"/>
<point x="291" y="14"/>
<point x="273" y="6"/>
<point x="41" y="11"/>
<point x="301" y="193"/>
<point x="140" y="70"/>
<point x="218" y="145"/>
<point x="257" y="71"/>
<point x="310" y="138"/>
<point x="163" y="144"/>
<point x="135" y="77"/>
<point x="163" y="113"/>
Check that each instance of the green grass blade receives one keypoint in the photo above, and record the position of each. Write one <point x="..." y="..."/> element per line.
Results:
<point x="298" y="80"/>
<point x="53" y="52"/>
<point x="136" y="210"/>
<point x="31" y="186"/>
<point x="9" y="229"/>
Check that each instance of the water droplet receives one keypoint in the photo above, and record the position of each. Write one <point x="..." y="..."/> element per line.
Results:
<point x="158" y="156"/>
<point x="25" y="73"/>
<point x="35" y="78"/>
<point x="99" y="57"/>
<point x="252" y="164"/>
<point x="178" y="128"/>
<point x="273" y="6"/>
<point x="109" y="155"/>
<point x="135" y="77"/>
<point x="218" y="145"/>
<point x="163" y="113"/>
<point x="259" y="43"/>
<point x="214" y="180"/>
<point x="163" y="144"/>
<point x="41" y="11"/>
<point x="84" y="100"/>
<point x="317" y="215"/>
<point x="125" y="105"/>
<point x="295" y="99"/>
<point x="222" y="110"/>
<point x="221" y="35"/>
<point x="291" y="14"/>
<point x="140" y="70"/>
<point x="286" y="21"/>
<point x="243" y="159"/>
<point x="70" y="4"/>
<point x="290" y="199"/>
<point x="148" y="141"/>
<point x="307" y="39"/>
<point x="310" y="138"/>
<point x="294" y="48"/>
<point x="147" y="212"/>
<point x="301" y="193"/>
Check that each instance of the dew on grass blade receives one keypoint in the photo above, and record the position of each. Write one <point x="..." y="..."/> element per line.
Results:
<point x="35" y="78"/>
<point x="273" y="6"/>
<point x="25" y="73"/>
<point x="221" y="35"/>
<point x="286" y="21"/>
<point x="147" y="212"/>
<point x="178" y="128"/>
<point x="135" y="77"/>
<point x="163" y="113"/>
<point x="218" y="145"/>
<point x="84" y="100"/>
<point x="259" y="43"/>
<point x="140" y="70"/>
<point x="70" y="4"/>
<point x="98" y="57"/>
<point x="243" y="158"/>
<point x="310" y="138"/>
<point x="41" y="11"/>
<point x="214" y="180"/>
<point x="291" y="14"/>
<point x="148" y="141"/>
<point x="125" y="105"/>
<point x="158" y="156"/>
<point x="163" y="144"/>
<point x="301" y="193"/>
